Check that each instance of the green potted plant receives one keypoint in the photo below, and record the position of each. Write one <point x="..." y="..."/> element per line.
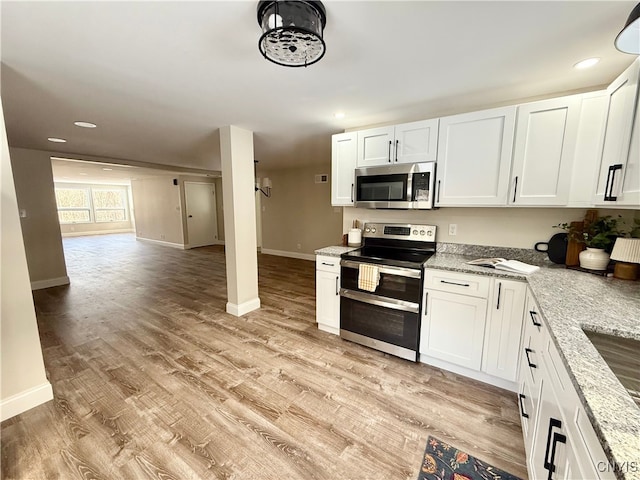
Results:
<point x="599" y="237"/>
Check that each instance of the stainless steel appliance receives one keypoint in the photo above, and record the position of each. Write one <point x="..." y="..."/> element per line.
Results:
<point x="387" y="319"/>
<point x="400" y="186"/>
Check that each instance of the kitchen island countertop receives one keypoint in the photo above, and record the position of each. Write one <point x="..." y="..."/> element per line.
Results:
<point x="571" y="301"/>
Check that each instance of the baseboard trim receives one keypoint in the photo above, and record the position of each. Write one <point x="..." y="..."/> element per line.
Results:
<point x="240" y="309"/>
<point x="470" y="373"/>
<point x="50" y="282"/>
<point x="99" y="232"/>
<point x="215" y="242"/>
<point x="26" y="400"/>
<point x="162" y="242"/>
<point x="283" y="253"/>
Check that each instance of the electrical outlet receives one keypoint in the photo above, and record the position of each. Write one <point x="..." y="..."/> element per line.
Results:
<point x="299" y="247"/>
<point x="162" y="236"/>
<point x="453" y="229"/>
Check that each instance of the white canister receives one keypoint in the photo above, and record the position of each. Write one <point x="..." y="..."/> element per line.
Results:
<point x="355" y="237"/>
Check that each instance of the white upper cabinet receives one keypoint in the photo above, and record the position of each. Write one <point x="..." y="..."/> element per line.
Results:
<point x="586" y="159"/>
<point x="474" y="158"/>
<point x="406" y="143"/>
<point x="543" y="151"/>
<point x="616" y="183"/>
<point x="343" y="164"/>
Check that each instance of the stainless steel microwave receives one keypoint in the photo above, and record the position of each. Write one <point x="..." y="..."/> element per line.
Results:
<point x="400" y="186"/>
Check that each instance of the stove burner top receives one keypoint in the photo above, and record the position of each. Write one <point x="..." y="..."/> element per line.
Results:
<point x="399" y="257"/>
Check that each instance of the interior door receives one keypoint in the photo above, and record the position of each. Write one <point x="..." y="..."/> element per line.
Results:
<point x="202" y="224"/>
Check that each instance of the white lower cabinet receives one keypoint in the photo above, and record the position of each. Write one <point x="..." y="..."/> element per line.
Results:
<point x="504" y="328"/>
<point x="454" y="328"/>
<point x="328" y="293"/>
<point x="474" y="322"/>
<point x="559" y="440"/>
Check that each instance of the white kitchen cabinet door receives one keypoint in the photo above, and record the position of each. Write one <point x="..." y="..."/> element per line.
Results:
<point x="543" y="154"/>
<point x="453" y="328"/>
<point x="328" y="294"/>
<point x="416" y="142"/>
<point x="504" y="329"/>
<point x="343" y="164"/>
<point x="375" y="147"/>
<point x="623" y="94"/>
<point x="630" y="193"/>
<point x="474" y="158"/>
<point x="586" y="158"/>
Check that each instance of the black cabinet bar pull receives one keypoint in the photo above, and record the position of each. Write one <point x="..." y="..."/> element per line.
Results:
<point x="337" y="285"/>
<point x="397" y="141"/>
<point x="551" y="445"/>
<point x="527" y="351"/>
<point x="329" y="264"/>
<point x="606" y="186"/>
<point x="454" y="283"/>
<point x="499" y="292"/>
<point x="611" y="180"/>
<point x="390" y="142"/>
<point x="352" y="192"/>
<point x="557" y="438"/>
<point x="515" y="189"/>
<point x="438" y="196"/>
<point x="533" y="314"/>
<point x="520" y="398"/>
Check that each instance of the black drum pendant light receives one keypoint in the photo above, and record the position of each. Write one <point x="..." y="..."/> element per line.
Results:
<point x="292" y="31"/>
<point x="628" y="40"/>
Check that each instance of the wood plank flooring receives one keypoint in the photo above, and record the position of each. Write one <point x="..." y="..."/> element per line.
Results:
<point x="153" y="379"/>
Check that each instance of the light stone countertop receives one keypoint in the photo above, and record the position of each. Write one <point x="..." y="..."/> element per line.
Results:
<point x="334" y="251"/>
<point x="569" y="301"/>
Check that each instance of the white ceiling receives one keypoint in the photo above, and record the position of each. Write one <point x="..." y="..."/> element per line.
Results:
<point x="159" y="78"/>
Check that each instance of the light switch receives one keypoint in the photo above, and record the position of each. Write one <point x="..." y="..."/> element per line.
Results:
<point x="23" y="213"/>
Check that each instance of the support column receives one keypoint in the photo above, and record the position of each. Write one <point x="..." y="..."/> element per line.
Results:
<point x="238" y="190"/>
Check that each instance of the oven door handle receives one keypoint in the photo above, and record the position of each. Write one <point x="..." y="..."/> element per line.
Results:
<point x="399" y="271"/>
<point x="380" y="301"/>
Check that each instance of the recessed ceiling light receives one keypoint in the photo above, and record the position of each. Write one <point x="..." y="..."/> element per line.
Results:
<point x="57" y="140"/>
<point x="107" y="169"/>
<point x="589" y="62"/>
<point x="339" y="114"/>
<point x="85" y="124"/>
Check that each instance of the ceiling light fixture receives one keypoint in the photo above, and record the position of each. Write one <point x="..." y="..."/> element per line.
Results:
<point x="292" y="31"/>
<point x="339" y="115"/>
<point x="628" y="40"/>
<point x="57" y="140"/>
<point x="85" y="124"/>
<point x="107" y="169"/>
<point x="586" y="63"/>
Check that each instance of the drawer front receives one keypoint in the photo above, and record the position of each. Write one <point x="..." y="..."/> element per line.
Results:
<point x="462" y="283"/>
<point x="328" y="264"/>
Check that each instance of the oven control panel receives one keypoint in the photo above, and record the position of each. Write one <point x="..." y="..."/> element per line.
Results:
<point x="423" y="233"/>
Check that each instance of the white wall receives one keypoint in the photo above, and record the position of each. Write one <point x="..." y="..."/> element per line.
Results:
<point x="500" y="227"/>
<point x="298" y="217"/>
<point x="158" y="211"/>
<point x="40" y="228"/>
<point x="23" y="383"/>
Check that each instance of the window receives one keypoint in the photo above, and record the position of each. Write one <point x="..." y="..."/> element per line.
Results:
<point x="73" y="205"/>
<point x="109" y="204"/>
<point x="91" y="204"/>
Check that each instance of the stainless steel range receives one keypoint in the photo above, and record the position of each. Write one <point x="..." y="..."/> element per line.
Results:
<point x="385" y="314"/>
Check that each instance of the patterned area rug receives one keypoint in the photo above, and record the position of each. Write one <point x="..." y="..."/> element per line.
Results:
<point x="441" y="461"/>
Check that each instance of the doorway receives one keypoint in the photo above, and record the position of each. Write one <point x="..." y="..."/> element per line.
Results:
<point x="200" y="206"/>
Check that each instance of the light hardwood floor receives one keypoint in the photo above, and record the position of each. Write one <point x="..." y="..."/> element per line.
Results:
<point x="152" y="379"/>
